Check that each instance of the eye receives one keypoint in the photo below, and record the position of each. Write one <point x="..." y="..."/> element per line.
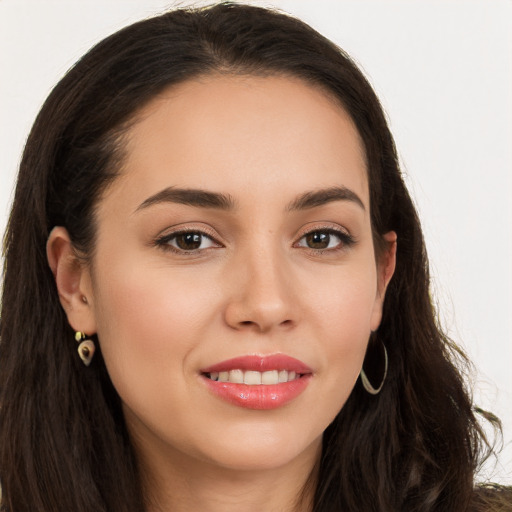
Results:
<point x="325" y="239"/>
<point x="187" y="241"/>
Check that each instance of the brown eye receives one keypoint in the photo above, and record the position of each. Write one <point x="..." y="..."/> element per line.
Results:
<point x="189" y="241"/>
<point x="318" y="240"/>
<point x="326" y="240"/>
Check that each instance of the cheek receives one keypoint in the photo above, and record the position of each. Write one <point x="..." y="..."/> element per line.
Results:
<point x="149" y="319"/>
<point x="344" y="305"/>
<point x="348" y="330"/>
<point x="343" y="313"/>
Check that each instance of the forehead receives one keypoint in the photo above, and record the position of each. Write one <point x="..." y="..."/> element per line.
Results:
<point x="243" y="134"/>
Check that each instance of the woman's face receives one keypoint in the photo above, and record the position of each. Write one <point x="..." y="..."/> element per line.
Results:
<point x="236" y="244"/>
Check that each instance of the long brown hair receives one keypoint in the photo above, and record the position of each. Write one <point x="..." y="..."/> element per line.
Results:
<point x="63" y="441"/>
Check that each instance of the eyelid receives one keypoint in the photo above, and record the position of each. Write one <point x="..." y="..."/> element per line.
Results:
<point x="162" y="239"/>
<point x="187" y="227"/>
<point x="346" y="238"/>
<point x="323" y="226"/>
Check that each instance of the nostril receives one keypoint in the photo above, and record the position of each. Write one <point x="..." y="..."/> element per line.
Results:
<point x="250" y="312"/>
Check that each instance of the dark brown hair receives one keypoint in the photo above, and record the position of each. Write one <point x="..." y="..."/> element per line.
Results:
<point x="63" y="441"/>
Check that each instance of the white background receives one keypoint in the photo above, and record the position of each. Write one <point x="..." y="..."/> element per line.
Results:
<point x="443" y="70"/>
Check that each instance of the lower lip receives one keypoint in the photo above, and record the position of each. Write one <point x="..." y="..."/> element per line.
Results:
<point x="260" y="397"/>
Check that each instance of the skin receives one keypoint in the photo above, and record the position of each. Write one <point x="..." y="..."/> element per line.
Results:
<point x="254" y="285"/>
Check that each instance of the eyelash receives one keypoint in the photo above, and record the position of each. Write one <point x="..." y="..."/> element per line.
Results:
<point x="346" y="241"/>
<point x="164" y="241"/>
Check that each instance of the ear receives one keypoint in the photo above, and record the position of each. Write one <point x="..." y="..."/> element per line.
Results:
<point x="73" y="281"/>
<point x="385" y="270"/>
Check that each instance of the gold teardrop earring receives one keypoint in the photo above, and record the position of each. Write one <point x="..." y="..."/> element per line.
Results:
<point x="86" y="347"/>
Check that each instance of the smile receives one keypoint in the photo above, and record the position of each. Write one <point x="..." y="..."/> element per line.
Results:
<point x="254" y="378"/>
<point x="258" y="382"/>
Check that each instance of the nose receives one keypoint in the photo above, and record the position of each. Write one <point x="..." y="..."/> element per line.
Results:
<point x="262" y="296"/>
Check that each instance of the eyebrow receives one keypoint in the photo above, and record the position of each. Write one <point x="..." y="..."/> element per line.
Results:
<point x="205" y="199"/>
<point x="323" y="196"/>
<point x="190" y="197"/>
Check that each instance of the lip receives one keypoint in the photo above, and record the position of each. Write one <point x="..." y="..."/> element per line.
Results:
<point x="259" y="397"/>
<point x="260" y="364"/>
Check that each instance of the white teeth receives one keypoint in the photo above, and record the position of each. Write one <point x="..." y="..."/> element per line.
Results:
<point x="283" y="376"/>
<point x="271" y="377"/>
<point x="253" y="378"/>
<point x="236" y="376"/>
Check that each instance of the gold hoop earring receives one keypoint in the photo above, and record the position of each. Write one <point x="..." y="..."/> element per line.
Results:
<point x="366" y="383"/>
<point x="86" y="347"/>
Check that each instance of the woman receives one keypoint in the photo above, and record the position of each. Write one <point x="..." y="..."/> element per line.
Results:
<point x="210" y="212"/>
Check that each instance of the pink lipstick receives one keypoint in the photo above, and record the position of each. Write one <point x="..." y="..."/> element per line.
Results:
<point x="258" y="382"/>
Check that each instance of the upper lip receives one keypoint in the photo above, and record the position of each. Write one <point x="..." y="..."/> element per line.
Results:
<point x="260" y="363"/>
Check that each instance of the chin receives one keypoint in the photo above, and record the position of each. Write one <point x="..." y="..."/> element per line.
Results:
<point x="263" y="454"/>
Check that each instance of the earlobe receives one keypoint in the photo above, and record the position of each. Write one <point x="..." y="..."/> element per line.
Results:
<point x="385" y="270"/>
<point x="72" y="280"/>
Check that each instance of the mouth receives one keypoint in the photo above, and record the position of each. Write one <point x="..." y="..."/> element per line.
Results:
<point x="258" y="382"/>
